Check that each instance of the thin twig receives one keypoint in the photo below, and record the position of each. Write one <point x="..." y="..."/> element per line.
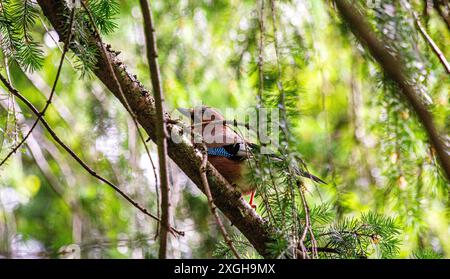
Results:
<point x="49" y="100"/>
<point x="260" y="79"/>
<point x="11" y="100"/>
<point x="37" y="153"/>
<point x="261" y="55"/>
<point x="161" y="132"/>
<point x="77" y="158"/>
<point x="124" y="99"/>
<point x="432" y="44"/>
<point x="223" y="122"/>
<point x="307" y="221"/>
<point x="282" y="103"/>
<point x="54" y="40"/>
<point x="259" y="187"/>
<point x="259" y="104"/>
<point x="282" y="95"/>
<point x="212" y="206"/>
<point x="261" y="93"/>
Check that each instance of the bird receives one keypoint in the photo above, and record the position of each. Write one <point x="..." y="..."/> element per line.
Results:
<point x="228" y="151"/>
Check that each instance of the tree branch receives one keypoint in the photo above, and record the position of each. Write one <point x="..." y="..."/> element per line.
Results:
<point x="394" y="69"/>
<point x="212" y="206"/>
<point x="307" y="228"/>
<point x="431" y="43"/>
<point x="227" y="199"/>
<point x="75" y="156"/>
<point x="161" y="142"/>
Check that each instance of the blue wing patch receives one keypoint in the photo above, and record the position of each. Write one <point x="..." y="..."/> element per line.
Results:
<point x="229" y="151"/>
<point x="219" y="151"/>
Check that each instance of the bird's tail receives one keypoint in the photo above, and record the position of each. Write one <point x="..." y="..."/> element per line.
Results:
<point x="296" y="168"/>
<point x="312" y="177"/>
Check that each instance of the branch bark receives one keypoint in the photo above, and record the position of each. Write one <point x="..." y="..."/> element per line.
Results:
<point x="227" y="199"/>
<point x="393" y="68"/>
<point x="161" y="141"/>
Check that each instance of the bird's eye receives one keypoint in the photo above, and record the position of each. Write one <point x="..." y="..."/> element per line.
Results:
<point x="237" y="147"/>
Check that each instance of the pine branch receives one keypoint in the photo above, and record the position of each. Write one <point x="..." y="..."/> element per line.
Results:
<point x="394" y="69"/>
<point x="9" y="41"/>
<point x="17" y="18"/>
<point x="104" y="13"/>
<point x="49" y="100"/>
<point x="161" y="132"/>
<point x="182" y="152"/>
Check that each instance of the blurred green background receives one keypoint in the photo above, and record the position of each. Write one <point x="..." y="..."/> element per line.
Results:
<point x="353" y="129"/>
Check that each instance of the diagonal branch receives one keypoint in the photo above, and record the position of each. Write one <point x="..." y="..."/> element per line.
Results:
<point x="394" y="69"/>
<point x="161" y="142"/>
<point x="212" y="206"/>
<point x="431" y="43"/>
<point x="180" y="150"/>
<point x="75" y="156"/>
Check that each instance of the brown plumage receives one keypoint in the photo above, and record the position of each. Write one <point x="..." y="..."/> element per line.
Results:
<point x="219" y="135"/>
<point x="230" y="169"/>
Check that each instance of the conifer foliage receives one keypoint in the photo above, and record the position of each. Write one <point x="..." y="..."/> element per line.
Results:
<point x="341" y="118"/>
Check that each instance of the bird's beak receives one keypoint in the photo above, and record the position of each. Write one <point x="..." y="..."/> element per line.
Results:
<point x="184" y="111"/>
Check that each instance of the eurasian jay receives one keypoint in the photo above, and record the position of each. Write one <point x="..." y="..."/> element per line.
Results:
<point x="227" y="150"/>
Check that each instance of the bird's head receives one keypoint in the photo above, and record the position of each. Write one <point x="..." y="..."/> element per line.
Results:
<point x="202" y="114"/>
<point x="211" y="125"/>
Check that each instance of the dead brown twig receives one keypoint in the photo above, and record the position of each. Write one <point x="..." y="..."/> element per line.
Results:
<point x="211" y="202"/>
<point x="161" y="132"/>
<point x="307" y="227"/>
<point x="431" y="43"/>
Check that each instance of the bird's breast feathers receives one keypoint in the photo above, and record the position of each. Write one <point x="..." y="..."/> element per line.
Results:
<point x="233" y="170"/>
